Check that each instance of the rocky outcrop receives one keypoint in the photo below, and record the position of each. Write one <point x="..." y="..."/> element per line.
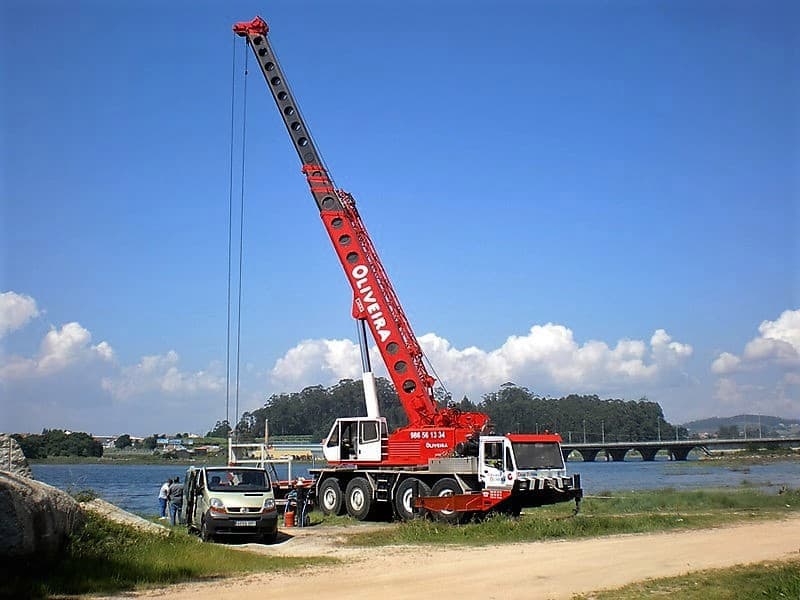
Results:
<point x="11" y="457"/>
<point x="116" y="514"/>
<point x="36" y="518"/>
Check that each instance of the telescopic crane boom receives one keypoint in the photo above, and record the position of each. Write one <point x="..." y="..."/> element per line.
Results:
<point x="443" y="462"/>
<point x="375" y="302"/>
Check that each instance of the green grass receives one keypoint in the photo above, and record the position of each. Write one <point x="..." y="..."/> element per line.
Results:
<point x="106" y="557"/>
<point x="768" y="580"/>
<point x="635" y="512"/>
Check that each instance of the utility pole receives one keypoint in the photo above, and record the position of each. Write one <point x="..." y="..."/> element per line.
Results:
<point x="584" y="431"/>
<point x="658" y="423"/>
<point x="603" y="430"/>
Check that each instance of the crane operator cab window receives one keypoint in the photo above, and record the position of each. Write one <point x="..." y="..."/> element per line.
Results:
<point x="356" y="439"/>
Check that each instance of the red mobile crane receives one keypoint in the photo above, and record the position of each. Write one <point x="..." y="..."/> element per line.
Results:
<point x="442" y="461"/>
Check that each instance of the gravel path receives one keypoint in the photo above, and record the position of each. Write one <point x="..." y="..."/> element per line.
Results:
<point x="553" y="569"/>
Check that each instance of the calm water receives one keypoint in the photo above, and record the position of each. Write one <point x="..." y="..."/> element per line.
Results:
<point x="135" y="487"/>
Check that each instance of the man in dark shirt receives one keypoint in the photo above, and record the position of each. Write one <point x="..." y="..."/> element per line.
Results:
<point x="175" y="501"/>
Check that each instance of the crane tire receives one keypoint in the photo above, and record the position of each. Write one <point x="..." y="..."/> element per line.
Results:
<point x="404" y="497"/>
<point x="447" y="487"/>
<point x="358" y="498"/>
<point x="331" y="499"/>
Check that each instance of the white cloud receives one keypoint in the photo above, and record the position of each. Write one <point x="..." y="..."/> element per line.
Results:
<point x="765" y="377"/>
<point x="59" y="350"/>
<point x="778" y="344"/>
<point x="725" y="363"/>
<point x="728" y="393"/>
<point x="70" y="382"/>
<point x="317" y="361"/>
<point x="15" y="311"/>
<point x="754" y="396"/>
<point x="548" y="355"/>
<point x="160" y="374"/>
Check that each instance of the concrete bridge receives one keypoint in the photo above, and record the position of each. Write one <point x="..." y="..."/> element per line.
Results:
<point x="678" y="449"/>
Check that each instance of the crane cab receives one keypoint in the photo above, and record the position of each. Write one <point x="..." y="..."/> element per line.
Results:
<point x="357" y="439"/>
<point x="506" y="460"/>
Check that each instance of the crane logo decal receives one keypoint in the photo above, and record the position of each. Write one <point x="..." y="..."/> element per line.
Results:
<point x="367" y="303"/>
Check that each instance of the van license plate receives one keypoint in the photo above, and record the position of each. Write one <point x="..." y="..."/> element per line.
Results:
<point x="244" y="523"/>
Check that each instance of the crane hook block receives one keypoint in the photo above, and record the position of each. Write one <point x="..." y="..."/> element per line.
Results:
<point x="257" y="26"/>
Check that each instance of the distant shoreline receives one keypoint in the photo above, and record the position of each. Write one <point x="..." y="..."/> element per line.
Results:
<point x="140" y="460"/>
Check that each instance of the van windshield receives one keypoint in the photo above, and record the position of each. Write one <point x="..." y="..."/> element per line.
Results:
<point x="237" y="480"/>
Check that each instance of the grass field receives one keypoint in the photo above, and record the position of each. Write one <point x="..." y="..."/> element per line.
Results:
<point x="107" y="557"/>
<point x="763" y="581"/>
<point x="634" y="512"/>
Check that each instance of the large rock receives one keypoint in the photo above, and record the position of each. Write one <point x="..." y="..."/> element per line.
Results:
<point x="116" y="514"/>
<point x="12" y="458"/>
<point x="35" y="518"/>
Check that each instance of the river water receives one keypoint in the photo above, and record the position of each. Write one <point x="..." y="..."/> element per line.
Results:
<point x="135" y="487"/>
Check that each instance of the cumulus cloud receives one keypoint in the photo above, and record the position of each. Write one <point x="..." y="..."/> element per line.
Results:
<point x="778" y="344"/>
<point x="726" y="363"/>
<point x="16" y="310"/>
<point x="160" y="373"/>
<point x="317" y="361"/>
<point x="60" y="349"/>
<point x="765" y="377"/>
<point x="548" y="355"/>
<point x="71" y="382"/>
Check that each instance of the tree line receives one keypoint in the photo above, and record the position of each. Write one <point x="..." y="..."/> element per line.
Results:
<point x="511" y="409"/>
<point x="57" y="442"/>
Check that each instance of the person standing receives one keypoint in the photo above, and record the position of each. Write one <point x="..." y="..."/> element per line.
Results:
<point x="175" y="497"/>
<point x="162" y="499"/>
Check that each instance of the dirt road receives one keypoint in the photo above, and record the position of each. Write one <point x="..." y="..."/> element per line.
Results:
<point x="544" y="570"/>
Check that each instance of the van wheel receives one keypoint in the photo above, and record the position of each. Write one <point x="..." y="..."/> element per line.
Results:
<point x="205" y="534"/>
<point x="270" y="538"/>
<point x="331" y="499"/>
<point x="407" y="491"/>
<point x="358" y="498"/>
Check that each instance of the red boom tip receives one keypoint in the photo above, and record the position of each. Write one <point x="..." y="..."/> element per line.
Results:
<point x="255" y="27"/>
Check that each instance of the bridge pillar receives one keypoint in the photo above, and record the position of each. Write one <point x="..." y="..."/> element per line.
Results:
<point x="589" y="454"/>
<point x="617" y="454"/>
<point x="679" y="452"/>
<point x="648" y="452"/>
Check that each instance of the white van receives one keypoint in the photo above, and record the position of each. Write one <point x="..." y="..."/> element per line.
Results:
<point x="230" y="501"/>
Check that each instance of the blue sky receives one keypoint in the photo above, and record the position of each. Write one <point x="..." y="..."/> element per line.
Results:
<point x="590" y="197"/>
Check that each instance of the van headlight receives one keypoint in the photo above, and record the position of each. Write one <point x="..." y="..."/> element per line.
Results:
<point x="269" y="505"/>
<point x="215" y="506"/>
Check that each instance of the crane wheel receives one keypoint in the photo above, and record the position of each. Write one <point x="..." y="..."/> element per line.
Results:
<point x="404" y="497"/>
<point x="447" y="487"/>
<point x="358" y="498"/>
<point x="331" y="498"/>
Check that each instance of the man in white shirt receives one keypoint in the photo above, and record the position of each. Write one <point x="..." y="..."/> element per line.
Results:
<point x="162" y="498"/>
